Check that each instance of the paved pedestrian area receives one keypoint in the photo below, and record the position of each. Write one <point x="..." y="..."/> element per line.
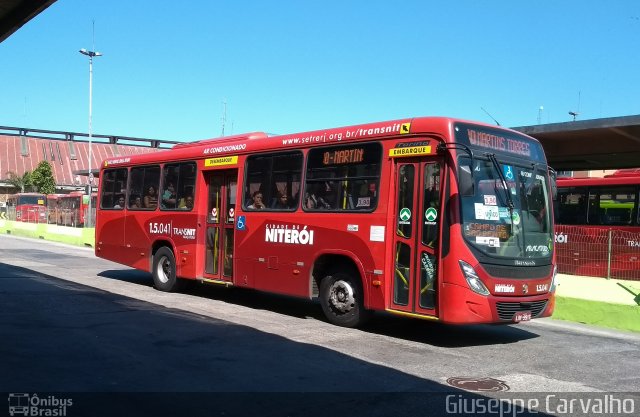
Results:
<point x="599" y="289"/>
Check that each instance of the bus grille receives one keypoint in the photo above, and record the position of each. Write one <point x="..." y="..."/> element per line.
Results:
<point x="507" y="310"/>
<point x="526" y="272"/>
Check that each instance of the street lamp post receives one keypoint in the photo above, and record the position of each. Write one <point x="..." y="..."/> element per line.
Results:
<point x="90" y="54"/>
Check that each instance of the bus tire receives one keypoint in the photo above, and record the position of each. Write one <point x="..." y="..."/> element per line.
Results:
<point x="341" y="298"/>
<point x="164" y="270"/>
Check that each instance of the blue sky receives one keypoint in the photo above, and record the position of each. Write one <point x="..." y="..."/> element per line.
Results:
<point x="292" y="66"/>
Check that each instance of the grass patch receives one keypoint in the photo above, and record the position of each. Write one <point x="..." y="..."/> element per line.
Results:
<point x="614" y="316"/>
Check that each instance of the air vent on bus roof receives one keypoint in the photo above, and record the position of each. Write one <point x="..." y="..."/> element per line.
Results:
<point x="223" y="139"/>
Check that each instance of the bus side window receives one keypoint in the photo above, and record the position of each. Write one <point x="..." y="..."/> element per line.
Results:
<point x="572" y="208"/>
<point x="343" y="178"/>
<point x="143" y="184"/>
<point x="114" y="185"/>
<point x="275" y="179"/>
<point x="178" y="183"/>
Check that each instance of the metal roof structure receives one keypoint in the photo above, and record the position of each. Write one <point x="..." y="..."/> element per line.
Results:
<point x="23" y="149"/>
<point x="610" y="143"/>
<point x="15" y="13"/>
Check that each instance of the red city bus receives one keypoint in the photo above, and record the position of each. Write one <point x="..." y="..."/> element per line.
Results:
<point x="429" y="217"/>
<point x="73" y="208"/>
<point x="27" y="207"/>
<point x="53" y="207"/>
<point x="598" y="225"/>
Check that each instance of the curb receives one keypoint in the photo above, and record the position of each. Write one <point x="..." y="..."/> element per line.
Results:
<point x="50" y="232"/>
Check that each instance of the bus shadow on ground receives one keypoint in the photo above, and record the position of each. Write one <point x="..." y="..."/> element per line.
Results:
<point x="114" y="355"/>
<point x="447" y="335"/>
<point x="415" y="330"/>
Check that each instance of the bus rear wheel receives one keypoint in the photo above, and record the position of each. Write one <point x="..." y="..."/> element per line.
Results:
<point x="164" y="270"/>
<point x="341" y="298"/>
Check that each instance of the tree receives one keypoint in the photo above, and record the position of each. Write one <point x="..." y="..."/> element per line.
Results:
<point x="42" y="178"/>
<point x="22" y="182"/>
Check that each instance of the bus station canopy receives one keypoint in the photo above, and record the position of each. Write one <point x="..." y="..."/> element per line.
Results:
<point x="15" y="13"/>
<point x="597" y="144"/>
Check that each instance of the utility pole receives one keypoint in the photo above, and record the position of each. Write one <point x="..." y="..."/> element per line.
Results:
<point x="91" y="55"/>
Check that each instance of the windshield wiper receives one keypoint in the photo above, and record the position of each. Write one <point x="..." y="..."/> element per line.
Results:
<point x="496" y="165"/>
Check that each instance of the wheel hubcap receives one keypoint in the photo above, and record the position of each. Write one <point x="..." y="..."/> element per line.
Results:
<point x="164" y="266"/>
<point x="341" y="296"/>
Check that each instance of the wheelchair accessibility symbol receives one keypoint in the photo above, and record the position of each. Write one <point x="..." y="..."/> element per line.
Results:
<point x="508" y="172"/>
<point x="241" y="223"/>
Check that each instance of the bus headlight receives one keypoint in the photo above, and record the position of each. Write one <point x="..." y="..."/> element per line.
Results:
<point x="473" y="280"/>
<point x="553" y="279"/>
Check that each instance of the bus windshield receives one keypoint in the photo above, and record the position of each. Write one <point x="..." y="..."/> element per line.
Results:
<point x="30" y="200"/>
<point x="512" y="223"/>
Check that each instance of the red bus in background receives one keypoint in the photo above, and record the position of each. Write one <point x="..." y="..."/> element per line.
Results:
<point x="53" y="207"/>
<point x="433" y="218"/>
<point x="73" y="207"/>
<point x="598" y="225"/>
<point x="27" y="207"/>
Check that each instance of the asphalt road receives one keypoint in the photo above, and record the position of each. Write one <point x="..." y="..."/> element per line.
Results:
<point x="98" y="333"/>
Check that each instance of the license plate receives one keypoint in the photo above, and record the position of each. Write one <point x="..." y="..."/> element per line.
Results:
<point x="521" y="316"/>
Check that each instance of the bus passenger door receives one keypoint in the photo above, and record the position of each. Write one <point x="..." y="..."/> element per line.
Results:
<point x="222" y="186"/>
<point x="416" y="241"/>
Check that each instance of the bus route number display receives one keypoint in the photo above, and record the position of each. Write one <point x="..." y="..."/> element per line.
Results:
<point x="343" y="156"/>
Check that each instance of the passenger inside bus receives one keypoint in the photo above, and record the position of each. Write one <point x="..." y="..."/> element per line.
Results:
<point x="136" y="202"/>
<point x="308" y="202"/>
<point x="282" y="202"/>
<point x="120" y="203"/>
<point x="169" y="197"/>
<point x="257" y="203"/>
<point x="186" y="203"/>
<point x="151" y="199"/>
<point x="319" y="197"/>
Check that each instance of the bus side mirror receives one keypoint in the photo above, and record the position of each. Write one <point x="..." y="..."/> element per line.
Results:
<point x="465" y="181"/>
<point x="554" y="184"/>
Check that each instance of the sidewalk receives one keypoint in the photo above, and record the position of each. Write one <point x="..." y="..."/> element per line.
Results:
<point x="601" y="302"/>
<point x="599" y="289"/>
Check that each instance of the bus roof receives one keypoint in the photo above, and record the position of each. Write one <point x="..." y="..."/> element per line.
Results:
<point x="595" y="182"/>
<point x="27" y="194"/>
<point x="260" y="142"/>
<point x="629" y="172"/>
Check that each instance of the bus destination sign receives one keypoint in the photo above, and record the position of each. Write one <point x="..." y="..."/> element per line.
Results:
<point x="343" y="156"/>
<point x="499" y="141"/>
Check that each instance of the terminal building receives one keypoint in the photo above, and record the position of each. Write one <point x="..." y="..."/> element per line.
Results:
<point x="22" y="149"/>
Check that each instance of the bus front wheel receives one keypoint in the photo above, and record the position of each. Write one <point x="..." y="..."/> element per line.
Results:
<point x="164" y="270"/>
<point x="341" y="298"/>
